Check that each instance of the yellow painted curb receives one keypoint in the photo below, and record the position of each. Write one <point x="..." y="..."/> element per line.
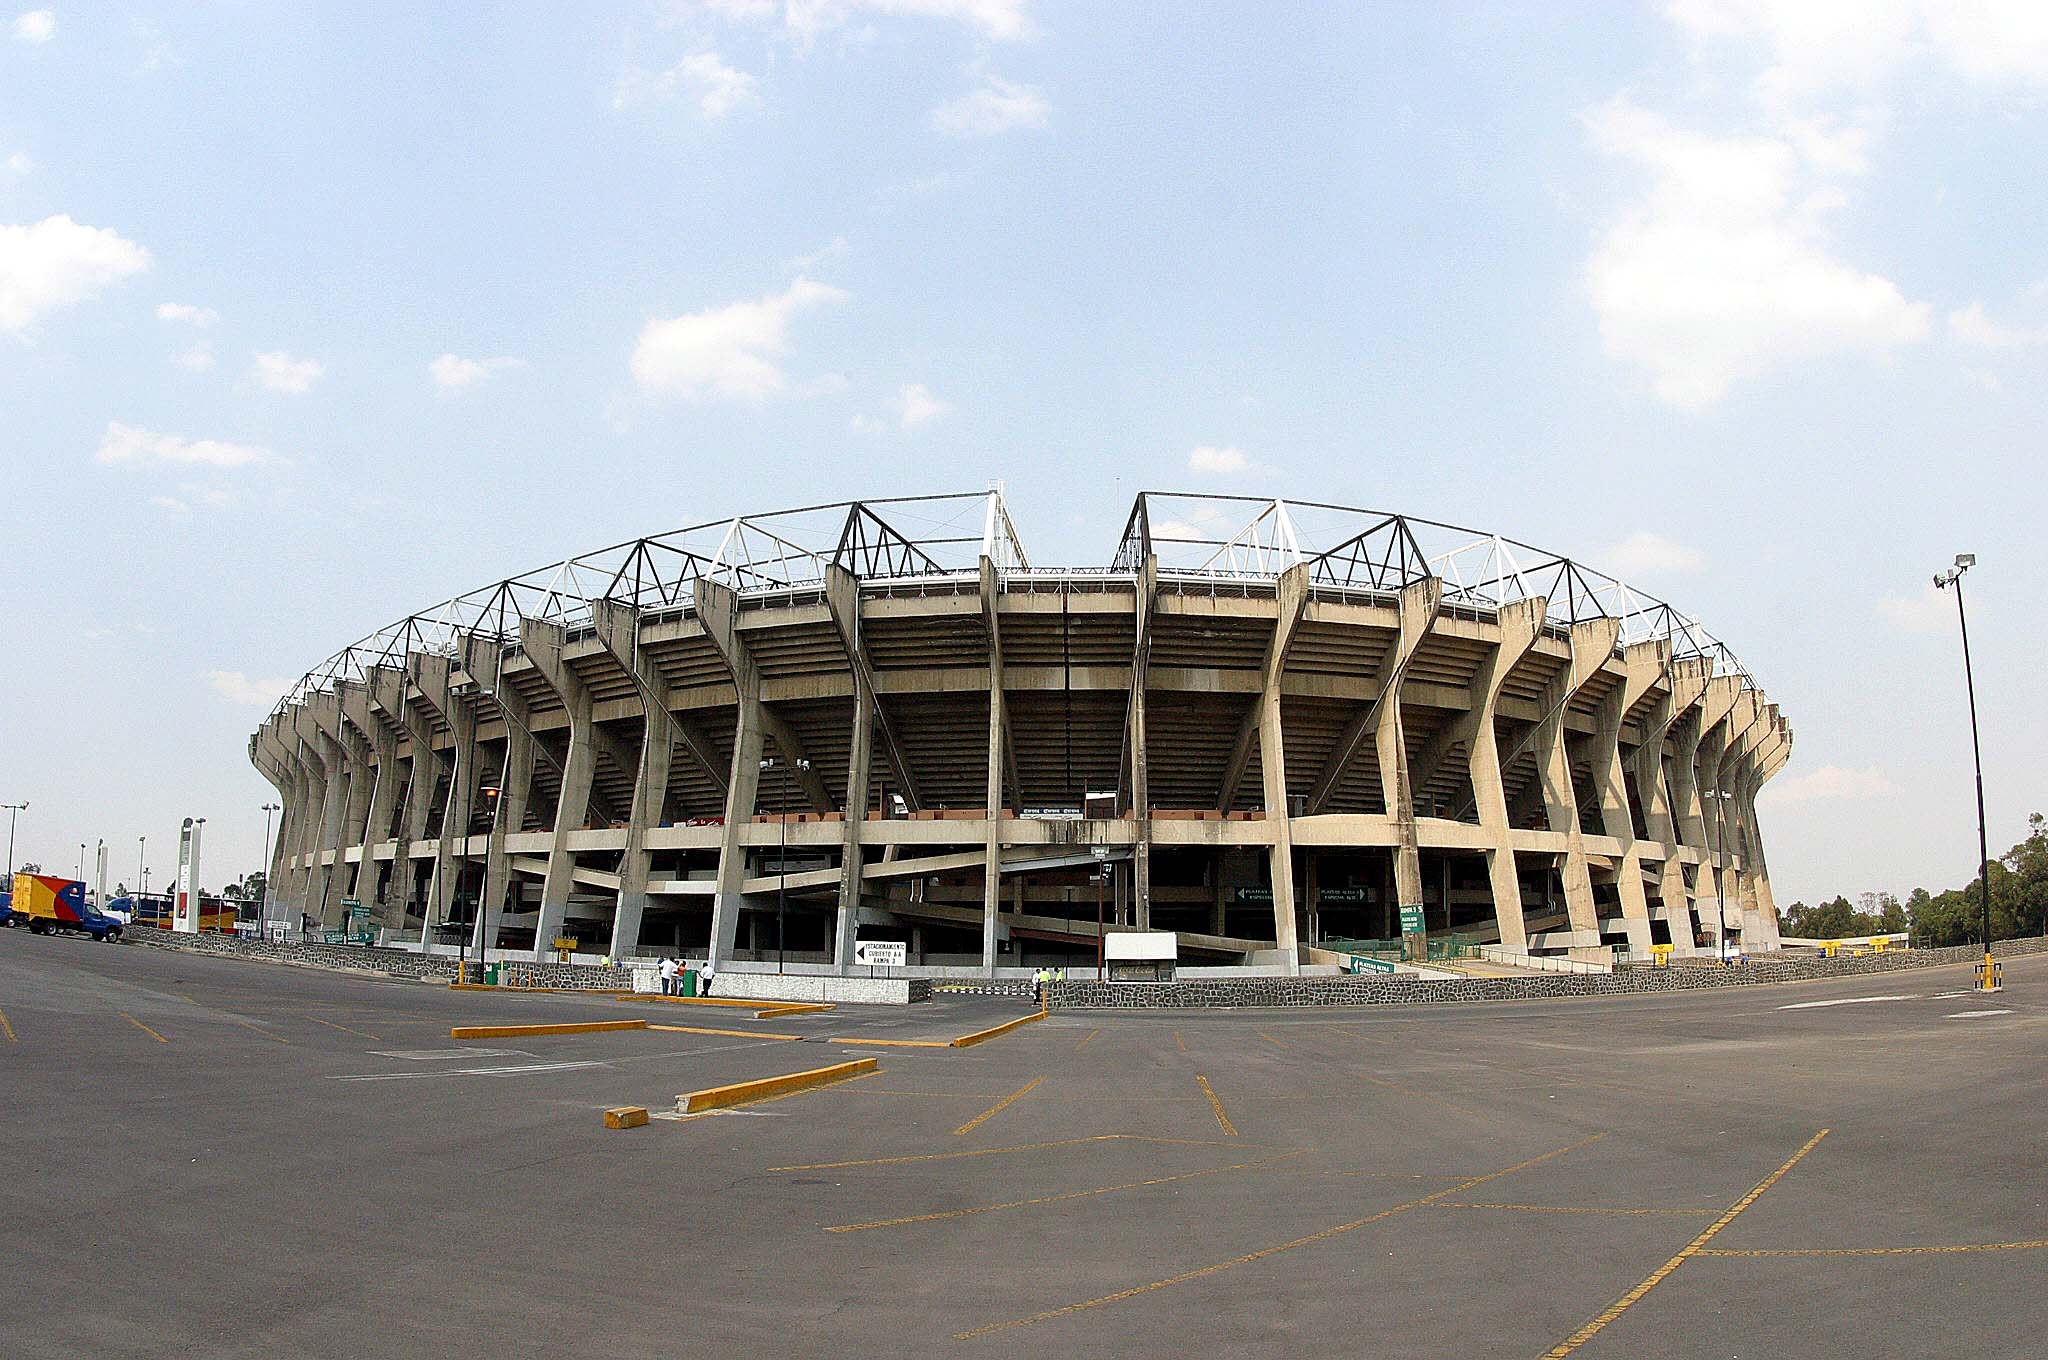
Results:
<point x="983" y="1036"/>
<point x="894" y="1043"/>
<point x="763" y="1010"/>
<point x="522" y="1031"/>
<point x="726" y="1033"/>
<point x="626" y="1117"/>
<point x="767" y="1088"/>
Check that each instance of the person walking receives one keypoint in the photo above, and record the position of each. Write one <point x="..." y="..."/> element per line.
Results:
<point x="668" y="976"/>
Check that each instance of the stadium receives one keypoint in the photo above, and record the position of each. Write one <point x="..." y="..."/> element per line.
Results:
<point x="1265" y="726"/>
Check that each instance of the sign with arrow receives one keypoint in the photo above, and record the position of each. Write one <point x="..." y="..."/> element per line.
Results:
<point x="880" y="953"/>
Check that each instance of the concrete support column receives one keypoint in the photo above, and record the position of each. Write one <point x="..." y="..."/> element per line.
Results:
<point x="1644" y="666"/>
<point x="1136" y="725"/>
<point x="1592" y="644"/>
<point x="718" y="610"/>
<point x="1290" y="602"/>
<point x="998" y="745"/>
<point x="1520" y="622"/>
<point x="1419" y="603"/>
<point x="859" y="760"/>
<point x="359" y="735"/>
<point x="357" y="706"/>
<point x="433" y="681"/>
<point x="424" y="769"/>
<point x="484" y="659"/>
<point x="1685" y="682"/>
<point x="322" y="714"/>
<point x="542" y="643"/>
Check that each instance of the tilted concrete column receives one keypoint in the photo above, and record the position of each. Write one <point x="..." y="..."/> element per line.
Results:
<point x="1520" y="622"/>
<point x="1419" y="603"/>
<point x="393" y="688"/>
<point x="1644" y="666"/>
<point x="357" y="732"/>
<point x="542" y="643"/>
<point x="267" y="753"/>
<point x="433" y="680"/>
<point x="1685" y="683"/>
<point x="322" y="712"/>
<point x="998" y="743"/>
<point x="1592" y="643"/>
<point x="859" y="759"/>
<point x="1290" y="602"/>
<point x="357" y="706"/>
<point x="1135" y="722"/>
<point x="718" y="610"/>
<point x="618" y="628"/>
<point x="484" y="659"/>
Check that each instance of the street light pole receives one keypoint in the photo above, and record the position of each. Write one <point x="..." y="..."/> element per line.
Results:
<point x="1720" y="797"/>
<point x="141" y="855"/>
<point x="13" y="811"/>
<point x="1954" y="577"/>
<point x="263" y="906"/>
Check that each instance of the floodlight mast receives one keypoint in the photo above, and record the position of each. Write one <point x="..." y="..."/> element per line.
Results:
<point x="1942" y="581"/>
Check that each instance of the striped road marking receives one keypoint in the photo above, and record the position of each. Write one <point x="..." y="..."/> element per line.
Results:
<point x="1973" y="1015"/>
<point x="512" y="1070"/>
<point x="1845" y="1001"/>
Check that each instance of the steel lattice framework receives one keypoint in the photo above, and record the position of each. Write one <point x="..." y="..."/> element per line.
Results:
<point x="1234" y="542"/>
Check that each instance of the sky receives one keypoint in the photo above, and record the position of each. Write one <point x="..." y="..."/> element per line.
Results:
<point x="312" y="316"/>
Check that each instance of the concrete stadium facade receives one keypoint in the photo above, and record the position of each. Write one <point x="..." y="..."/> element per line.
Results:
<point x="1265" y="725"/>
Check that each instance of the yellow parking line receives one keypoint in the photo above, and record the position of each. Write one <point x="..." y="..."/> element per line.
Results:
<point x="1179" y="1042"/>
<point x="1084" y="1042"/>
<point x="258" y="1028"/>
<point x="363" y="1033"/>
<point x="1055" y="1199"/>
<point x="1692" y="1248"/>
<point x="1204" y="1272"/>
<point x="992" y="1111"/>
<point x="1270" y="1039"/>
<point x="7" y="1029"/>
<point x="1217" y="1105"/>
<point x="1884" y="1251"/>
<point x="1571" y="1209"/>
<point x="144" y="1028"/>
<point x="722" y="1033"/>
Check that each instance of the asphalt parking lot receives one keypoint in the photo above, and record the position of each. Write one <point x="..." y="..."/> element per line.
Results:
<point x="221" y="1158"/>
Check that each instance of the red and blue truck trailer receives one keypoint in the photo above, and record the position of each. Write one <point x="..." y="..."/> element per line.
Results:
<point x="48" y="905"/>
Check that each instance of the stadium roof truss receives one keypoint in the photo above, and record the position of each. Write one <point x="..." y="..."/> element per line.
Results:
<point x="1235" y="542"/>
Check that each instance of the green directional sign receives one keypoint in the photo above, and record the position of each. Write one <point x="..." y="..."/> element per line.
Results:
<point x="1411" y="920"/>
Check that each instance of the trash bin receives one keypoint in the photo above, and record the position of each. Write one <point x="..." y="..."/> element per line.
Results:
<point x="491" y="974"/>
<point x="689" y="982"/>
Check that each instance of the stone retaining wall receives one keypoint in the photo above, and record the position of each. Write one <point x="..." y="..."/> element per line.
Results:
<point x="366" y="959"/>
<point x="1383" y="990"/>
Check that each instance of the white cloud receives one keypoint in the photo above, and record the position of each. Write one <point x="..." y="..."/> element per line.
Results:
<point x="916" y="404"/>
<point x="1926" y="611"/>
<point x="57" y="263"/>
<point x="831" y="250"/>
<point x="728" y="351"/>
<point x="452" y="373"/>
<point x="1972" y="327"/>
<point x="1644" y="553"/>
<point x="1722" y="271"/>
<point x="861" y="424"/>
<point x="238" y="688"/>
<point x="998" y="20"/>
<point x="1821" y="46"/>
<point x="20" y="163"/>
<point x="35" y="26"/>
<point x="717" y="89"/>
<point x="133" y="444"/>
<point x="197" y="359"/>
<point x="1211" y="460"/>
<point x="184" y="311"/>
<point x="1830" y="782"/>
<point x="996" y="106"/>
<point x="277" y="371"/>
